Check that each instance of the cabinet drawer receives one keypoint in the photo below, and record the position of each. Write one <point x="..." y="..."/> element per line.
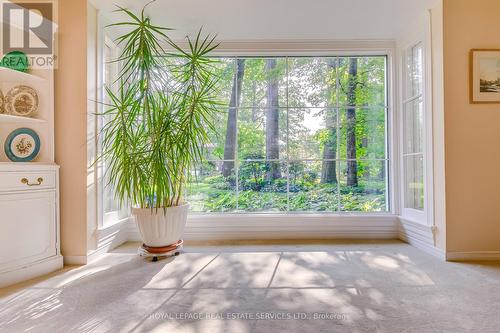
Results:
<point x="27" y="180"/>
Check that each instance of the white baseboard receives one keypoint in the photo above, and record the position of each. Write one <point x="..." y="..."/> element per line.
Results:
<point x="473" y="256"/>
<point x="430" y="249"/>
<point x="30" y="271"/>
<point x="277" y="226"/>
<point x="420" y="236"/>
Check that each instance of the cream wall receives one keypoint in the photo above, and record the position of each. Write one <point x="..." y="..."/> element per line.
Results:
<point x="472" y="132"/>
<point x="70" y="125"/>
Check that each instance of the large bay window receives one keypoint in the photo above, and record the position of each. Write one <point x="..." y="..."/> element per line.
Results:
<point x="306" y="133"/>
<point x="297" y="134"/>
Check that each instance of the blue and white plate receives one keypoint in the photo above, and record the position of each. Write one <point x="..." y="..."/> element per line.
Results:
<point x="22" y="145"/>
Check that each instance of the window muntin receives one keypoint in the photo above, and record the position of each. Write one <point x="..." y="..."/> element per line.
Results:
<point x="413" y="130"/>
<point x="310" y="136"/>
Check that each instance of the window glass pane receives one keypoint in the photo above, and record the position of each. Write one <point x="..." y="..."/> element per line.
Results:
<point x="311" y="82"/>
<point x="362" y="81"/>
<point x="414" y="182"/>
<point x="413" y="118"/>
<point x="209" y="190"/>
<point x="312" y="133"/>
<point x="222" y="67"/>
<point x="214" y="150"/>
<point x="225" y="119"/>
<point x="413" y="131"/>
<point x="362" y="133"/>
<point x="264" y="82"/>
<point x="313" y="186"/>
<point x="414" y="70"/>
<point x="110" y="72"/>
<point x="110" y="203"/>
<point x="262" y="186"/>
<point x="262" y="133"/>
<point x="225" y="69"/>
<point x="363" y="186"/>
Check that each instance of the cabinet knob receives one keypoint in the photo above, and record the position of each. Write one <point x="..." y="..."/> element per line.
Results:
<point x="27" y="182"/>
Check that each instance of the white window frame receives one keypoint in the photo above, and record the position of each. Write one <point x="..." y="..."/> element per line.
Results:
<point x="424" y="216"/>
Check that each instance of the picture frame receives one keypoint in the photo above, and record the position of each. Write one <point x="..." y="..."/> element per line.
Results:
<point x="484" y="76"/>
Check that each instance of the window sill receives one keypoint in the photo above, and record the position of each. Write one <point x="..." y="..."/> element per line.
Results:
<point x="110" y="224"/>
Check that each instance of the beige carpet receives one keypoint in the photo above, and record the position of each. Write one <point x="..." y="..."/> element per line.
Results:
<point x="318" y="287"/>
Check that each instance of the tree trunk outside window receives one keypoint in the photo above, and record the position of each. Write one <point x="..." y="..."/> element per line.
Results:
<point x="272" y="122"/>
<point x="232" y="118"/>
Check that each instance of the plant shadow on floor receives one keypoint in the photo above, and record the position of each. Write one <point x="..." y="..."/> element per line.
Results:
<point x="367" y="286"/>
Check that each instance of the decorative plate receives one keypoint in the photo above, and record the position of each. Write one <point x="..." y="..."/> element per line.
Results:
<point x="22" y="145"/>
<point x="21" y="101"/>
<point x="16" y="60"/>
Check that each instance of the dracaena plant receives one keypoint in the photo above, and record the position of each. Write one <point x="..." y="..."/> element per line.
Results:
<point x="159" y="117"/>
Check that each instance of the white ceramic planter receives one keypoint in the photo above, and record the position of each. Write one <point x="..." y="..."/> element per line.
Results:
<point x="161" y="227"/>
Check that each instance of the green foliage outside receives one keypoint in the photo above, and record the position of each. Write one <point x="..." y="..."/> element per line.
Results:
<point x="312" y="114"/>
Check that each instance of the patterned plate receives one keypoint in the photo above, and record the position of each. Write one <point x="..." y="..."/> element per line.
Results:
<point x="21" y="101"/>
<point x="22" y="145"/>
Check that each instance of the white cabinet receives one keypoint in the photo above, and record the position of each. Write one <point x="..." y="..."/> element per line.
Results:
<point x="29" y="192"/>
<point x="29" y="221"/>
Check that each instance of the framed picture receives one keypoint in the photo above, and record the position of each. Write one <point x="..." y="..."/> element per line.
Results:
<point x="484" y="76"/>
